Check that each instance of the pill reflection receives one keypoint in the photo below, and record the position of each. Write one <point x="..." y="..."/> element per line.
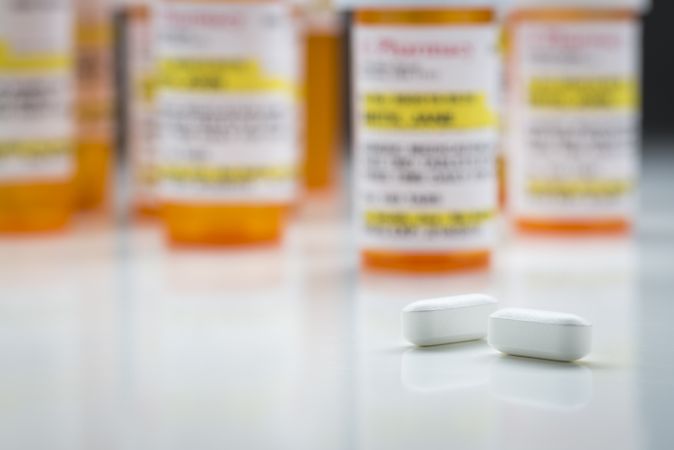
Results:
<point x="541" y="384"/>
<point x="396" y="408"/>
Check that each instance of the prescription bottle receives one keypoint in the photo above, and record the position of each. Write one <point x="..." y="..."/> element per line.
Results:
<point x="425" y="84"/>
<point x="139" y="79"/>
<point x="95" y="107"/>
<point x="323" y="40"/>
<point x="36" y="115"/>
<point x="227" y="109"/>
<point x="573" y="114"/>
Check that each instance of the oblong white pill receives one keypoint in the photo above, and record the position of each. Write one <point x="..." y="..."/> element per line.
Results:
<point x="447" y="320"/>
<point x="540" y="334"/>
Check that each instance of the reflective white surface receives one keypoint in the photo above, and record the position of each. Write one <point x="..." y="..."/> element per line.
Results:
<point x="110" y="340"/>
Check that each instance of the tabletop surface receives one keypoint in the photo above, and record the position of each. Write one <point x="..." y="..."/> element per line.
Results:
<point x="111" y="340"/>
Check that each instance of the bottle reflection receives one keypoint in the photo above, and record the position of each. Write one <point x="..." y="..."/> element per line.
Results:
<point x="324" y="385"/>
<point x="216" y="357"/>
<point x="40" y="374"/>
<point x="58" y="338"/>
<point x="656" y="309"/>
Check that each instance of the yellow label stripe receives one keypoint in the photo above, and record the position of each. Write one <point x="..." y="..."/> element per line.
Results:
<point x="428" y="220"/>
<point x="222" y="76"/>
<point x="427" y="111"/>
<point x="227" y="175"/>
<point x="32" y="62"/>
<point x="584" y="93"/>
<point x="35" y="148"/>
<point x="580" y="188"/>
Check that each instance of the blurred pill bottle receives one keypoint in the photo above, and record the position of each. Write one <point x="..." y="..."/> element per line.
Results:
<point x="95" y="107"/>
<point x="37" y="160"/>
<point x="323" y="33"/>
<point x="425" y="113"/>
<point x="227" y="103"/>
<point x="574" y="114"/>
<point x="139" y="79"/>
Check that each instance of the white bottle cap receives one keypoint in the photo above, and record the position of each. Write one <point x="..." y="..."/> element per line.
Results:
<point x="354" y="4"/>
<point x="636" y="5"/>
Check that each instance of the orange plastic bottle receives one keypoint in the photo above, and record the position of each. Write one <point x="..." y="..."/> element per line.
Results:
<point x="227" y="105"/>
<point x="139" y="129"/>
<point x="573" y="115"/>
<point x="323" y="33"/>
<point x="36" y="116"/>
<point x="425" y="84"/>
<point x="95" y="107"/>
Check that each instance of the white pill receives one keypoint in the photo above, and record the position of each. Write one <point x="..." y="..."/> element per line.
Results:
<point x="447" y="320"/>
<point x="540" y="334"/>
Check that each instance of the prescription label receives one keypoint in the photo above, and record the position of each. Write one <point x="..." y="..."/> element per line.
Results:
<point x="574" y="122"/>
<point x="425" y="115"/>
<point x="394" y="111"/>
<point x="227" y="102"/>
<point x="36" y="91"/>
